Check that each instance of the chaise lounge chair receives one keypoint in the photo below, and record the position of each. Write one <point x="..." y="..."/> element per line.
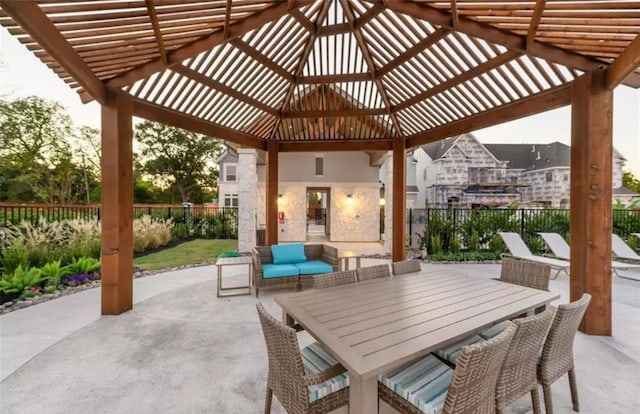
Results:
<point x="622" y="249"/>
<point x="519" y="250"/>
<point x="561" y="249"/>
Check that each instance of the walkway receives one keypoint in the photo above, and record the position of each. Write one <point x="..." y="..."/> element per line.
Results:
<point x="184" y="351"/>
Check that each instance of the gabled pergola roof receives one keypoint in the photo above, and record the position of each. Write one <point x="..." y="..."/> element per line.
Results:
<point x="240" y="69"/>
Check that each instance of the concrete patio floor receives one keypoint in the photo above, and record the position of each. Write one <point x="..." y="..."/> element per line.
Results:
<point x="182" y="350"/>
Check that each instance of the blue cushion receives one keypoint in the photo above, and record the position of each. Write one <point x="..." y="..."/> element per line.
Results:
<point x="270" y="271"/>
<point x="314" y="267"/>
<point x="494" y="330"/>
<point x="315" y="359"/>
<point x="288" y="253"/>
<point x="423" y="382"/>
<point x="452" y="352"/>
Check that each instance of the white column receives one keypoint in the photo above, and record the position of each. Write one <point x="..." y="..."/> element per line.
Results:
<point x="247" y="195"/>
<point x="388" y="203"/>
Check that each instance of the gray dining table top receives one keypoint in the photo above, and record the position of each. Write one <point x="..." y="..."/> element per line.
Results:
<point x="375" y="325"/>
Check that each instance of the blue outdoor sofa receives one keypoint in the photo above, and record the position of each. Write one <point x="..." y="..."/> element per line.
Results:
<point x="291" y="265"/>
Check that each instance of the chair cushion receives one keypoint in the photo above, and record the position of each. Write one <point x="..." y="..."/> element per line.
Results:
<point x="270" y="271"/>
<point x="314" y="267"/>
<point x="494" y="330"/>
<point x="315" y="359"/>
<point x="452" y="352"/>
<point x="423" y="382"/>
<point x="288" y="253"/>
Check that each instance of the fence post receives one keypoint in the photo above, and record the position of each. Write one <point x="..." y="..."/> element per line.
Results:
<point x="410" y="226"/>
<point x="522" y="212"/>
<point x="168" y="212"/>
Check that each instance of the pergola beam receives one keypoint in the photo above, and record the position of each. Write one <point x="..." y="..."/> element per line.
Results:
<point x="338" y="77"/>
<point x="32" y="19"/>
<point x="157" y="113"/>
<point x="262" y="58"/>
<point x="330" y="146"/>
<point x="221" y="87"/>
<point x="414" y="50"/>
<point x="327" y="113"/>
<point x="366" y="53"/>
<point x="461" y="78"/>
<point x="156" y="30"/>
<point x="308" y="47"/>
<point x="535" y="22"/>
<point x="177" y="56"/>
<point x="541" y="102"/>
<point x="624" y="65"/>
<point x="494" y="35"/>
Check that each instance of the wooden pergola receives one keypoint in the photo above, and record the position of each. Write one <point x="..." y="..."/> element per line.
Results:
<point x="420" y="71"/>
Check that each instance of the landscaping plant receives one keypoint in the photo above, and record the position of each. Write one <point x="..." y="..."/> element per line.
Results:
<point x="53" y="273"/>
<point x="20" y="279"/>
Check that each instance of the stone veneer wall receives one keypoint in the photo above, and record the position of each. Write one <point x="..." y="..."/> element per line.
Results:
<point x="247" y="181"/>
<point x="358" y="219"/>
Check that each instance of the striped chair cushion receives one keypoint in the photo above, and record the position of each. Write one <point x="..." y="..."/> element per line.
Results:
<point x="316" y="359"/>
<point x="451" y="352"/>
<point x="423" y="382"/>
<point x="494" y="330"/>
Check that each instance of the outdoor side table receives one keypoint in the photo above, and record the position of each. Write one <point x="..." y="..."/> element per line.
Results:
<point x="344" y="256"/>
<point x="235" y="290"/>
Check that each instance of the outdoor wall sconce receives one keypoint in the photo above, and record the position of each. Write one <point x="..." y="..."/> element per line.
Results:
<point x="382" y="201"/>
<point x="349" y="199"/>
<point x="280" y="199"/>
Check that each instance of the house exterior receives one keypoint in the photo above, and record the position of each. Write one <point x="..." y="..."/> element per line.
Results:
<point x="461" y="171"/>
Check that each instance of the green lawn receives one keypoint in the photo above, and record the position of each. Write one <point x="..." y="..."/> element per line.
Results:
<point x="191" y="252"/>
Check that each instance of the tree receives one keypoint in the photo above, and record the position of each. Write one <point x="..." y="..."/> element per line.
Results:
<point x="180" y="159"/>
<point x="35" y="152"/>
<point x="630" y="181"/>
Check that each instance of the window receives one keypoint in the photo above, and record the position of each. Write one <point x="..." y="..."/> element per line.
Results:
<point x="549" y="176"/>
<point x="231" y="200"/>
<point x="566" y="177"/>
<point x="424" y="174"/>
<point x="319" y="166"/>
<point x="230" y="172"/>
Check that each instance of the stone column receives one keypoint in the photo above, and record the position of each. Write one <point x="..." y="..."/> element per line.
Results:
<point x="247" y="189"/>
<point x="388" y="203"/>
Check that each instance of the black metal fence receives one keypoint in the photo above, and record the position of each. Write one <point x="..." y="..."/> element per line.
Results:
<point x="482" y="225"/>
<point x="190" y="221"/>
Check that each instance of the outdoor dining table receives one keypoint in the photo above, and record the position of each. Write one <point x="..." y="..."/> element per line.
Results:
<point x="376" y="325"/>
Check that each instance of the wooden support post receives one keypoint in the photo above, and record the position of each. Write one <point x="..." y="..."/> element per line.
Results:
<point x="591" y="199"/>
<point x="271" y="212"/>
<point x="399" y="199"/>
<point x="117" y="205"/>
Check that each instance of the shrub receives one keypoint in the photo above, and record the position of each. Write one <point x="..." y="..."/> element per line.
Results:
<point x="436" y="244"/>
<point x="454" y="244"/>
<point x="496" y="244"/>
<point x="464" y="256"/>
<point x="149" y="233"/>
<point x="633" y="242"/>
<point x="536" y="245"/>
<point x="20" y="279"/>
<point x="474" y="242"/>
<point x="13" y="256"/>
<point x="82" y="265"/>
<point x="53" y="273"/>
<point x="180" y="231"/>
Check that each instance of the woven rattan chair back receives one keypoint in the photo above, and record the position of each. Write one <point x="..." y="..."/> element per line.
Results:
<point x="334" y="279"/>
<point x="473" y="388"/>
<point x="406" y="266"/>
<point x="518" y="374"/>
<point x="525" y="273"/>
<point x="557" y="354"/>
<point x="373" y="272"/>
<point x="286" y="372"/>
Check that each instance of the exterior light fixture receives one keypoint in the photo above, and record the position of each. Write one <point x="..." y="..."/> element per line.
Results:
<point x="349" y="199"/>
<point x="383" y="201"/>
<point x="280" y="199"/>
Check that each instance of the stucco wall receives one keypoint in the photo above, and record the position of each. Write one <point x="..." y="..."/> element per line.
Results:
<point x="339" y="167"/>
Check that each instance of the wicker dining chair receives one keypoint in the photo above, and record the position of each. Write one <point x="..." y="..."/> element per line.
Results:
<point x="557" y="353"/>
<point x="525" y="273"/>
<point x="305" y="382"/>
<point x="334" y="279"/>
<point x="373" y="272"/>
<point x="518" y="374"/>
<point x="471" y="387"/>
<point x="406" y="266"/>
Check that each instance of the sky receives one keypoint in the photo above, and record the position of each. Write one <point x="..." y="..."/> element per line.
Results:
<point x="22" y="74"/>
